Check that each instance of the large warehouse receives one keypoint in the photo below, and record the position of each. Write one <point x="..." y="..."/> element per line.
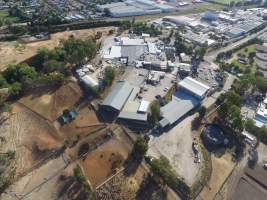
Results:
<point x="194" y="87"/>
<point x="135" y="8"/>
<point x="118" y="96"/>
<point x="123" y="101"/>
<point x="189" y="95"/>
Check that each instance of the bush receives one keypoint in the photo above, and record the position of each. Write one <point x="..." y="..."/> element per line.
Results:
<point x="108" y="76"/>
<point x="81" y="179"/>
<point x="140" y="148"/>
<point x="163" y="169"/>
<point x="155" y="112"/>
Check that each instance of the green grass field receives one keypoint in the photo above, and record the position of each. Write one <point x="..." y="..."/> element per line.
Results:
<point x="5" y="18"/>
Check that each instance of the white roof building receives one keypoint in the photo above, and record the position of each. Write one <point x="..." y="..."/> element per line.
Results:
<point x="261" y="114"/>
<point x="88" y="80"/>
<point x="126" y="41"/>
<point x="143" y="108"/>
<point x="194" y="87"/>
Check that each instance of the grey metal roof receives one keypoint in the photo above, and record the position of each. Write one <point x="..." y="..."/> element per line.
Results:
<point x="181" y="104"/>
<point x="133" y="116"/>
<point x="119" y="95"/>
<point x="194" y="86"/>
<point x="133" y="52"/>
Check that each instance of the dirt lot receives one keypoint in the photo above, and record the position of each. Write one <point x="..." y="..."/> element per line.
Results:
<point x="86" y="123"/>
<point x="41" y="184"/>
<point x="107" y="159"/>
<point x="221" y="169"/>
<point x="11" y="52"/>
<point x="29" y="135"/>
<point x="176" y="145"/>
<point x="50" y="103"/>
<point x="125" y="185"/>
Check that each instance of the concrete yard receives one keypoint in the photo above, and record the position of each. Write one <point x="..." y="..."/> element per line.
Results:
<point x="176" y="145"/>
<point x="137" y="76"/>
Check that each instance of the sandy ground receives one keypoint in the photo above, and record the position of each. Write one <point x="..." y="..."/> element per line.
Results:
<point x="50" y="103"/>
<point x="22" y="132"/>
<point x="105" y="161"/>
<point x="221" y="169"/>
<point x="11" y="54"/>
<point x="124" y="185"/>
<point x="41" y="184"/>
<point x="176" y="145"/>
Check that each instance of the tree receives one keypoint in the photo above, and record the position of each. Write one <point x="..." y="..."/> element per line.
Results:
<point x="155" y="112"/>
<point x="109" y="76"/>
<point x="15" y="89"/>
<point x="78" y="51"/>
<point x="140" y="148"/>
<point x="250" y="125"/>
<point x="202" y="111"/>
<point x="200" y="53"/>
<point x="235" y="118"/>
<point x="21" y="73"/>
<point x="261" y="83"/>
<point x="53" y="65"/>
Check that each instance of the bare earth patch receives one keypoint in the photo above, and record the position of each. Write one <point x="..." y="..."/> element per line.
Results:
<point x="10" y="54"/>
<point x="25" y="133"/>
<point x="176" y="145"/>
<point x="51" y="103"/>
<point x="221" y="169"/>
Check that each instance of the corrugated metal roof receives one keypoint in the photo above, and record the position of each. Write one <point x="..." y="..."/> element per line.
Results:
<point x="194" y="86"/>
<point x="133" y="52"/>
<point x="133" y="116"/>
<point x="181" y="104"/>
<point x="119" y="95"/>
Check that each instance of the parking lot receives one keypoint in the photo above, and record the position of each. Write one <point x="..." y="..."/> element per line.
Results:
<point x="137" y="77"/>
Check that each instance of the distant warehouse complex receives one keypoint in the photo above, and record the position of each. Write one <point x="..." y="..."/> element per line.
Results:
<point x="134" y="8"/>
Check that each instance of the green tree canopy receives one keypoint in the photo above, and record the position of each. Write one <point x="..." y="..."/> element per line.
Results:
<point x="109" y="76"/>
<point x="78" y="51"/>
<point x="140" y="148"/>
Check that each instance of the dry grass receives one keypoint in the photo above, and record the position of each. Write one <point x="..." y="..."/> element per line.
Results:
<point x="51" y="103"/>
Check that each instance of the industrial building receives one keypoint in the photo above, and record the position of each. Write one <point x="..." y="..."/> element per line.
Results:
<point x="123" y="101"/>
<point x="189" y="95"/>
<point x="118" y="96"/>
<point x="261" y="114"/>
<point x="134" y="8"/>
<point x="85" y="76"/>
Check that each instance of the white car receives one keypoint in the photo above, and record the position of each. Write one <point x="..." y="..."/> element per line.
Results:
<point x="165" y="89"/>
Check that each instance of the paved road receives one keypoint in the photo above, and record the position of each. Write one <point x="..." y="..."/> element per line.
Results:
<point x="210" y="57"/>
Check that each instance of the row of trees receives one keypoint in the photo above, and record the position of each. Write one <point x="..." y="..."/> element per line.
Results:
<point x="49" y="66"/>
<point x="164" y="170"/>
<point x="70" y="53"/>
<point x="256" y="81"/>
<point x="141" y="27"/>
<point x="230" y="110"/>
